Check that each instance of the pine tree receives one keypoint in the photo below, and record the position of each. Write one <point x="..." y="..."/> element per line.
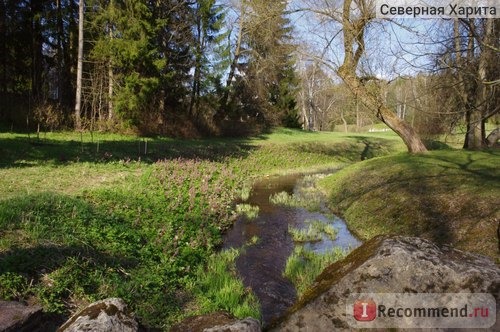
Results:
<point x="208" y="23"/>
<point x="269" y="75"/>
<point x="124" y="39"/>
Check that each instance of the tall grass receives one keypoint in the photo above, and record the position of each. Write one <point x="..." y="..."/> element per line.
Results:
<point x="307" y="195"/>
<point x="247" y="210"/>
<point x="303" y="265"/>
<point x="314" y="232"/>
<point x="309" y="234"/>
<point x="217" y="287"/>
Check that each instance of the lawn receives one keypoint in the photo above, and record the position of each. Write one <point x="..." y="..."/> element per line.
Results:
<point x="84" y="217"/>
<point x="449" y="196"/>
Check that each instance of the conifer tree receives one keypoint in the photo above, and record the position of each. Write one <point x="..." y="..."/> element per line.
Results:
<point x="270" y="76"/>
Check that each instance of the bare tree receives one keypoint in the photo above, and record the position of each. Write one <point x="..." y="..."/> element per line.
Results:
<point x="355" y="17"/>
<point x="477" y="51"/>
<point x="354" y="24"/>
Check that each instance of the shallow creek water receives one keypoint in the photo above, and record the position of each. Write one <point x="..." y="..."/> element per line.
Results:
<point x="261" y="265"/>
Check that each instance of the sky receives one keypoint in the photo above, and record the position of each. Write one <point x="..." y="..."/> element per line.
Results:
<point x="392" y="49"/>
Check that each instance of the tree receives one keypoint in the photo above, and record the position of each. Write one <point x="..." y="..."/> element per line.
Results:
<point x="353" y="19"/>
<point x="269" y="75"/>
<point x="208" y="22"/>
<point x="79" y="72"/>
<point x="125" y="50"/>
<point x="477" y="63"/>
<point x="356" y="15"/>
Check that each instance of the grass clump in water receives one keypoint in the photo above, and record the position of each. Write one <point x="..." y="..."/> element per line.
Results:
<point x="253" y="241"/>
<point x="307" y="195"/>
<point x="283" y="198"/>
<point x="217" y="287"/>
<point x="323" y="227"/>
<point x="330" y="231"/>
<point x="246" y="190"/>
<point x="249" y="211"/>
<point x="310" y="234"/>
<point x="314" y="232"/>
<point x="303" y="266"/>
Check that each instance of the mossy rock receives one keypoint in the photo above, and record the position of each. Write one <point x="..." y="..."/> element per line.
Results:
<point x="389" y="264"/>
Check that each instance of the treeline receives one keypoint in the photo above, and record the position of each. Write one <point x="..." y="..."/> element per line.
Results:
<point x="175" y="67"/>
<point x="455" y="90"/>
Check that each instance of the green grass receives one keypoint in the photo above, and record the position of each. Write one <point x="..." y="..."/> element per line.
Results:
<point x="448" y="196"/>
<point x="306" y="194"/>
<point x="84" y="218"/>
<point x="306" y="198"/>
<point x="309" y="234"/>
<point x="283" y="198"/>
<point x="303" y="266"/>
<point x="313" y="232"/>
<point x="249" y="211"/>
<point x="217" y="287"/>
<point x="327" y="229"/>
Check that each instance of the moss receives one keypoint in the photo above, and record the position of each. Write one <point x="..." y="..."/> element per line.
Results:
<point x="333" y="273"/>
<point x="92" y="312"/>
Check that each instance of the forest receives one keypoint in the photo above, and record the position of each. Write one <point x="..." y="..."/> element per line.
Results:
<point x="175" y="153"/>
<point x="233" y="68"/>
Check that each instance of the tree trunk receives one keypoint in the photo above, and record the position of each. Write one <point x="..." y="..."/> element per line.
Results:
<point x="493" y="137"/>
<point x="3" y="48"/>
<point x="358" y="120"/>
<point x="404" y="130"/>
<point x="234" y="63"/>
<point x="354" y="46"/>
<point x="111" y="82"/>
<point x="110" y="91"/>
<point x="343" y="120"/>
<point x="37" y="55"/>
<point x="199" y="49"/>
<point x="79" y="72"/>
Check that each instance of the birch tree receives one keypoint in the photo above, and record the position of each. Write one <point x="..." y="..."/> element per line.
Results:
<point x="79" y="71"/>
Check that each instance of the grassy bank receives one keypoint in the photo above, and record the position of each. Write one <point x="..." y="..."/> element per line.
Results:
<point x="451" y="197"/>
<point x="84" y="217"/>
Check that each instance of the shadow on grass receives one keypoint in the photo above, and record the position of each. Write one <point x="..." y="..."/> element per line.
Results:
<point x="33" y="261"/>
<point x="435" y="195"/>
<point x="360" y="148"/>
<point x="21" y="151"/>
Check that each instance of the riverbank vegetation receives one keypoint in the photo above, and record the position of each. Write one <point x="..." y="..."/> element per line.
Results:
<point x="303" y="265"/>
<point x="85" y="218"/>
<point x="315" y="231"/>
<point x="448" y="196"/>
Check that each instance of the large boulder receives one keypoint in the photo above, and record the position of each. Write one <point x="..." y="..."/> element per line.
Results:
<point x="109" y="315"/>
<point x="15" y="316"/>
<point x="217" y="322"/>
<point x="245" y="325"/>
<point x="389" y="265"/>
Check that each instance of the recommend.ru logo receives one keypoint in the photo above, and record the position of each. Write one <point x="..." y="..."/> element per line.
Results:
<point x="409" y="310"/>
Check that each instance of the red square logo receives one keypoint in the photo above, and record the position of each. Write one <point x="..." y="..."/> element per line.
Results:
<point x="365" y="310"/>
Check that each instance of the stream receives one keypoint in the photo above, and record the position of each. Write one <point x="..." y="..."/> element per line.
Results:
<point x="262" y="263"/>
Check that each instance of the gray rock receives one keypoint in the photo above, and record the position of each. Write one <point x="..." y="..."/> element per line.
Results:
<point x="15" y="316"/>
<point x="202" y="322"/>
<point x="245" y="325"/>
<point x="217" y="322"/>
<point x="389" y="265"/>
<point x="109" y="315"/>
